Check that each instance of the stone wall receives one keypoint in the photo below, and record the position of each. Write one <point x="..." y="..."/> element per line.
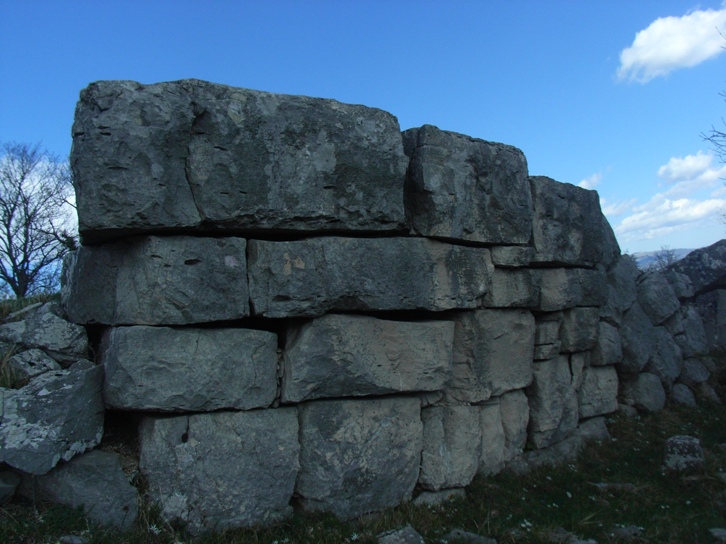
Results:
<point x="307" y="307"/>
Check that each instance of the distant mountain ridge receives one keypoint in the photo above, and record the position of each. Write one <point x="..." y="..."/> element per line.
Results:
<point x="646" y="259"/>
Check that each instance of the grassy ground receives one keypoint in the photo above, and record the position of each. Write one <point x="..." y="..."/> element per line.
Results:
<point x="513" y="509"/>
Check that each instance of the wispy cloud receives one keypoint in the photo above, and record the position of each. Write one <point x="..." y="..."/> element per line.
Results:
<point x="671" y="43"/>
<point x="617" y="208"/>
<point x="591" y="182"/>
<point x="691" y="173"/>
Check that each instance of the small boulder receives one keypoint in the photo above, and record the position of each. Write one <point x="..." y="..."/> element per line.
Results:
<point x="644" y="391"/>
<point x="407" y="535"/>
<point x="682" y="394"/>
<point x="683" y="454"/>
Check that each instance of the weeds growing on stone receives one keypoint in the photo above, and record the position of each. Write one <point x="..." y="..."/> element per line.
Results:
<point x="615" y="489"/>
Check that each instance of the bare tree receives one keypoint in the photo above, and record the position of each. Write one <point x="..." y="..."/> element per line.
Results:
<point x="34" y="218"/>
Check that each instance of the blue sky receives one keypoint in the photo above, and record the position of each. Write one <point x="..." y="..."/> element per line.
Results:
<point x="567" y="82"/>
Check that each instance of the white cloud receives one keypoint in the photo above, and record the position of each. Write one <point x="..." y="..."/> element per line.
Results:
<point x="617" y="208"/>
<point x="591" y="182"/>
<point x="691" y="173"/>
<point x="670" y="43"/>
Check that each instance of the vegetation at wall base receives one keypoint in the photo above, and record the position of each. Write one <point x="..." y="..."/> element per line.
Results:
<point x="537" y="508"/>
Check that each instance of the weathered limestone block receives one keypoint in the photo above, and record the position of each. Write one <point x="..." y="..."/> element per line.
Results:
<point x="644" y="391"/>
<point x="463" y="188"/>
<point x="598" y="394"/>
<point x="154" y="280"/>
<point x="514" y="408"/>
<point x="693" y="339"/>
<point x="563" y="288"/>
<point x="681" y="284"/>
<point x="666" y="361"/>
<point x="358" y="456"/>
<point x="656" y="297"/>
<point x="189" y="369"/>
<point x="694" y="372"/>
<point x="639" y="340"/>
<point x="493" y="353"/>
<point x="569" y="227"/>
<point x="553" y="406"/>
<point x="310" y="277"/>
<point x="546" y="351"/>
<point x="513" y="289"/>
<point x="94" y="482"/>
<point x="45" y="329"/>
<point x="452" y="446"/>
<point x="57" y="415"/>
<point x="494" y="440"/>
<point x="578" y="363"/>
<point x="682" y="394"/>
<point x="344" y="355"/>
<point x="512" y="256"/>
<point x="189" y="153"/>
<point x="712" y="309"/>
<point x="548" y="328"/>
<point x="706" y="267"/>
<point x="26" y="365"/>
<point x="609" y="347"/>
<point x="622" y="293"/>
<point x="579" y="329"/>
<point x="221" y="470"/>
<point x="683" y="455"/>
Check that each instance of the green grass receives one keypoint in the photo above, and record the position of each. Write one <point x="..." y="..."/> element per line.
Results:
<point x="513" y="509"/>
<point x="12" y="305"/>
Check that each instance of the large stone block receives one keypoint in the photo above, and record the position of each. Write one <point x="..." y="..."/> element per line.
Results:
<point x="706" y="267"/>
<point x="644" y="391"/>
<point x="553" y="406"/>
<point x="190" y="154"/>
<point x="59" y="414"/>
<point x="155" y="280"/>
<point x="579" y="329"/>
<point x="657" y="297"/>
<point x="639" y="340"/>
<point x="569" y="227"/>
<point x="562" y="288"/>
<point x="494" y="439"/>
<point x="712" y="309"/>
<point x="493" y="353"/>
<point x="310" y="277"/>
<point x="621" y="285"/>
<point x="344" y="355"/>
<point x="667" y="360"/>
<point x="223" y="469"/>
<point x="609" y="347"/>
<point x="692" y="340"/>
<point x="358" y="456"/>
<point x="467" y="189"/>
<point x="452" y="446"/>
<point x="517" y="288"/>
<point x="189" y="369"/>
<point x="514" y="408"/>
<point x="598" y="394"/>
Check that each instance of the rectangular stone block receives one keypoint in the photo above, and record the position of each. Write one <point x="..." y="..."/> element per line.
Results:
<point x="221" y="470"/>
<point x="464" y="188"/>
<point x="514" y="408"/>
<point x="358" y="456"/>
<point x="513" y="289"/>
<point x="579" y="329"/>
<point x="494" y="442"/>
<point x="189" y="369"/>
<point x="156" y="280"/>
<point x="348" y="356"/>
<point x="191" y="154"/>
<point x="308" y="278"/>
<point x="598" y="394"/>
<point x="493" y="353"/>
<point x="562" y="288"/>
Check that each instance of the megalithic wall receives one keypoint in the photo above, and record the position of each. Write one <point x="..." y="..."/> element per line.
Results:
<point x="303" y="300"/>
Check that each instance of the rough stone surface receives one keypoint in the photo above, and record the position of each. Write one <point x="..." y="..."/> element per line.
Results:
<point x="511" y="256"/>
<point x="693" y="339"/>
<point x="189" y="369"/>
<point x="622" y="293"/>
<point x="608" y="349"/>
<point x="45" y="329"/>
<point x="682" y="394"/>
<point x="435" y="498"/>
<point x="190" y="154"/>
<point x="9" y="482"/>
<point x="463" y="188"/>
<point x="666" y="361"/>
<point x="174" y="280"/>
<point x="57" y="415"/>
<point x="94" y="482"/>
<point x="28" y="364"/>
<point x="693" y="372"/>
<point x="656" y="297"/>
<point x="358" y="456"/>
<point x="563" y="288"/>
<point x="639" y="340"/>
<point x="518" y="288"/>
<point x="568" y="226"/>
<point x="644" y="391"/>
<point x="553" y="406"/>
<point x="683" y="454"/>
<point x="514" y="409"/>
<point x="682" y="286"/>
<point x="494" y="440"/>
<point x="206" y="470"/>
<point x="706" y="267"/>
<point x="407" y="535"/>
<point x="548" y="328"/>
<point x="465" y="537"/>
<point x="598" y="394"/>
<point x="493" y="352"/>
<point x="310" y="277"/>
<point x="579" y="329"/>
<point x="452" y="446"/>
<point x="343" y="355"/>
<point x="712" y="309"/>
